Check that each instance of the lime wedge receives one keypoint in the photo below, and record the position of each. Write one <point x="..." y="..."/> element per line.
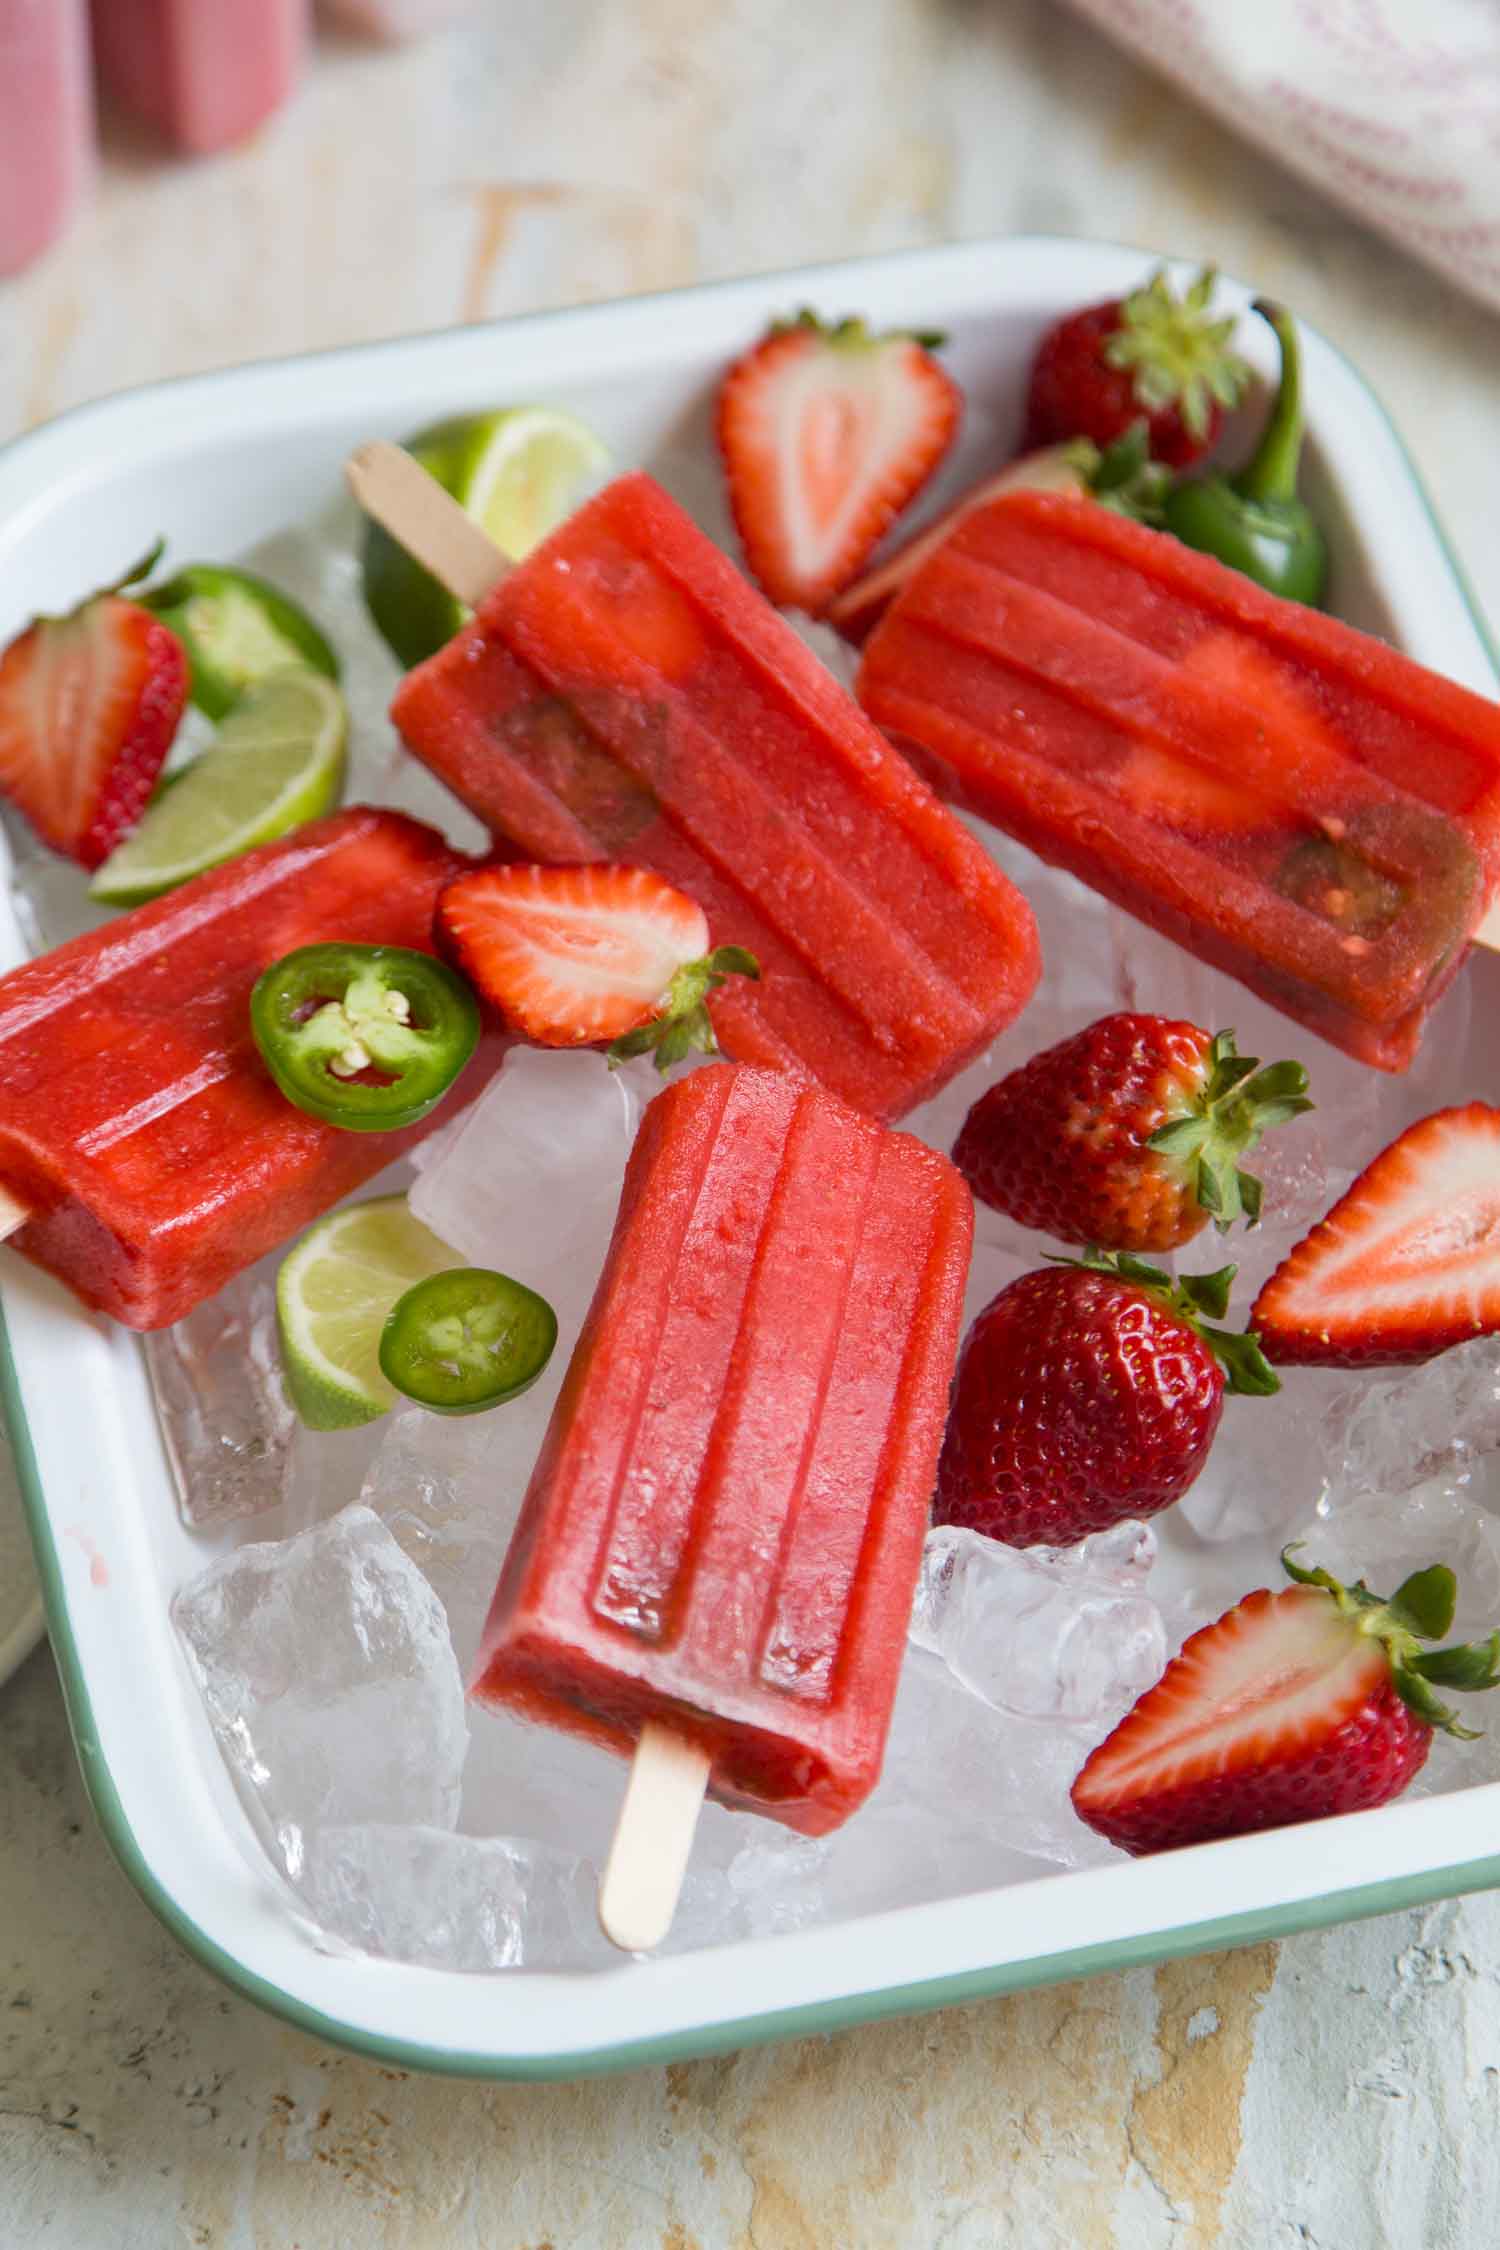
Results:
<point x="277" y="760"/>
<point x="333" y="1292"/>
<point x="237" y="629"/>
<point x="517" y="472"/>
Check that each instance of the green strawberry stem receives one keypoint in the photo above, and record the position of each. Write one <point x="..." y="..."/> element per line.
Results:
<point x="681" y="1026"/>
<point x="1124" y="476"/>
<point x="1197" y="1299"/>
<point x="1421" y="1609"/>
<point x="854" y="334"/>
<point x="1240" y="1104"/>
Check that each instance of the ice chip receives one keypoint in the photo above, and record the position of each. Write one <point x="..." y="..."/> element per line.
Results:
<point x="440" y="1901"/>
<point x="222" y="1409"/>
<point x="330" y="1681"/>
<point x="1043" y="1632"/>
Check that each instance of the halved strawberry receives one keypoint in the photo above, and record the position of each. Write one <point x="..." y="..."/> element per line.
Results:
<point x="89" y="704"/>
<point x="1407" y="1264"/>
<point x="1290" y="1707"/>
<point x="575" y="956"/>
<point x="827" y="433"/>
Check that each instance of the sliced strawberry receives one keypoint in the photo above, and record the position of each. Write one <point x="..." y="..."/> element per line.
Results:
<point x="89" y="704"/>
<point x="1407" y="1264"/>
<point x="575" y="956"/>
<point x="1292" y="1706"/>
<point x="827" y="433"/>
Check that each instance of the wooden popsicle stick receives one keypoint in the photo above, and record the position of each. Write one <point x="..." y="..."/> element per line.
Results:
<point x="12" y="1214"/>
<point x="653" y="1837"/>
<point x="413" y="507"/>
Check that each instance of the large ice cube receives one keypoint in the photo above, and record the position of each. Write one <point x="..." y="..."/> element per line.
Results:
<point x="1044" y="1632"/>
<point x="224" y="1417"/>
<point x="326" y="1668"/>
<point x="441" y="1901"/>
<point x="528" y="1180"/>
<point x="448" y="1489"/>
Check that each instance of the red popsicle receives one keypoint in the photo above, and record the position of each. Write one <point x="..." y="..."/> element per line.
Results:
<point x="1294" y="801"/>
<point x="723" y="1530"/>
<point x="139" y="1128"/>
<point x="625" y="694"/>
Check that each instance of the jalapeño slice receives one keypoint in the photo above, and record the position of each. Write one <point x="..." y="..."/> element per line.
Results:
<point x="367" y="1037"/>
<point x="462" y="1341"/>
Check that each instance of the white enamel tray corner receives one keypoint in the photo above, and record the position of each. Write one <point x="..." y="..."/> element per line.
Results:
<point x="218" y="462"/>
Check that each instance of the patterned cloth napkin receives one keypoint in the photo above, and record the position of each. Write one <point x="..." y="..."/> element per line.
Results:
<point x="1391" y="106"/>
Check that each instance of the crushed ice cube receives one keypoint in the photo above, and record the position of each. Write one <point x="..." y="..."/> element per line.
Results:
<point x="1044" y="1632"/>
<point x="440" y="1901"/>
<point x="1270" y="1459"/>
<point x="969" y="1798"/>
<point x="326" y="1668"/>
<point x="1398" y="1429"/>
<point x="776" y="1880"/>
<point x="1384" y="1540"/>
<point x="222" y="1409"/>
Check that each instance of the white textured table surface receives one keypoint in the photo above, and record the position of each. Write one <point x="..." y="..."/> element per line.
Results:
<point x="1340" y="2092"/>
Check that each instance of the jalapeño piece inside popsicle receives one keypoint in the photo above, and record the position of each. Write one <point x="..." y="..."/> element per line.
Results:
<point x="367" y="1037"/>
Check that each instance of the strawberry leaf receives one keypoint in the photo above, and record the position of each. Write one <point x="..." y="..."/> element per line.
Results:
<point x="1470" y="1666"/>
<point x="682" y="1025"/>
<point x="1424" y="1603"/>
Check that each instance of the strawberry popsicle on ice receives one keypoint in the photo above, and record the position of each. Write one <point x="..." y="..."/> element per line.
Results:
<point x="204" y="73"/>
<point x="625" y="694"/>
<point x="46" y="123"/>
<point x="1297" y="803"/>
<point x="139" y="1129"/>
<point x="723" y="1529"/>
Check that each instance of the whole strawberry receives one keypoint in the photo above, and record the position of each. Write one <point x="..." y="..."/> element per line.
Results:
<point x="1152" y="354"/>
<point x="1128" y="1135"/>
<point x="1292" y="1706"/>
<point x="89" y="704"/>
<point x="1085" y="1394"/>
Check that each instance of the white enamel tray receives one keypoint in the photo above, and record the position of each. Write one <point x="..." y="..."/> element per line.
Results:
<point x="218" y="462"/>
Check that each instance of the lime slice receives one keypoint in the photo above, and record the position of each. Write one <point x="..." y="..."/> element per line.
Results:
<point x="333" y="1292"/>
<point x="517" y="472"/>
<point x="237" y="629"/>
<point x="277" y="760"/>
